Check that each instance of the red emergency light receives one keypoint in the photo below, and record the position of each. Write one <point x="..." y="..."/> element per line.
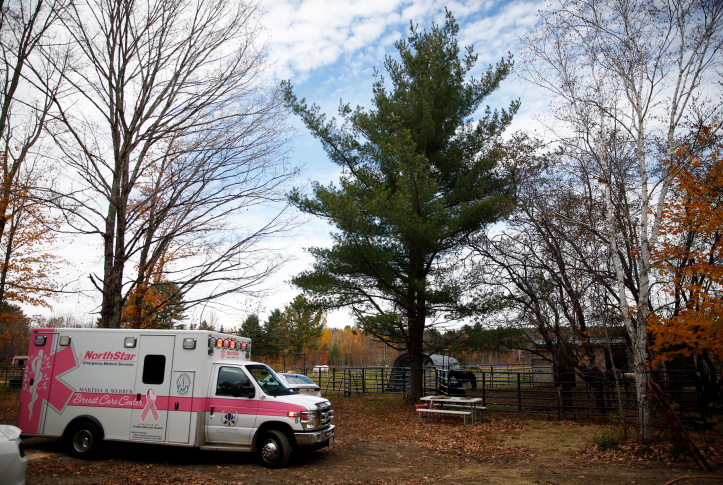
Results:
<point x="225" y="344"/>
<point x="232" y="345"/>
<point x="219" y="343"/>
<point x="243" y="345"/>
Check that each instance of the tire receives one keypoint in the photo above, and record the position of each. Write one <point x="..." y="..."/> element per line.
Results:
<point x="84" y="440"/>
<point x="274" y="449"/>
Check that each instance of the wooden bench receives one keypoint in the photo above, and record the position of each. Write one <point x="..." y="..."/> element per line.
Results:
<point x="444" y="411"/>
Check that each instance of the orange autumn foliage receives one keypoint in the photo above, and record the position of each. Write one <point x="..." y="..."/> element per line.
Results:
<point x="28" y="269"/>
<point x="14" y="333"/>
<point x="154" y="303"/>
<point x="689" y="258"/>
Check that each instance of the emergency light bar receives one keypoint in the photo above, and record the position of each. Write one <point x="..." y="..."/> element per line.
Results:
<point x="220" y="343"/>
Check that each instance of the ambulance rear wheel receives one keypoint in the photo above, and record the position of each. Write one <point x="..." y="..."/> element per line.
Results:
<point x="84" y="440"/>
<point x="274" y="449"/>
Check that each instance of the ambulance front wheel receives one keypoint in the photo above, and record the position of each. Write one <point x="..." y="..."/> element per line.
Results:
<point x="84" y="440"/>
<point x="274" y="449"/>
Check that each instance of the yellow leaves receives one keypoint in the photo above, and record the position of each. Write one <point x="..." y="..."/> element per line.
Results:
<point x="690" y="255"/>
<point x="26" y="239"/>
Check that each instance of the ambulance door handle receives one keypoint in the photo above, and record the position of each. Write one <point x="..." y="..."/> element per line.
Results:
<point x="176" y="407"/>
<point x="211" y="411"/>
<point x="138" y="396"/>
<point x="31" y="381"/>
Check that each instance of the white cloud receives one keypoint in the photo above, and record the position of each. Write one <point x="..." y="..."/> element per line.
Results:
<point x="328" y="50"/>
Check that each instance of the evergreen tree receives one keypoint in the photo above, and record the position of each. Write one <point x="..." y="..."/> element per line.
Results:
<point x="158" y="306"/>
<point x="302" y="325"/>
<point x="251" y="328"/>
<point x="420" y="176"/>
<point x="273" y="340"/>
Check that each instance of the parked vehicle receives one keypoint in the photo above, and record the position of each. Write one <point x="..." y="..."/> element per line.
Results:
<point x="302" y="384"/>
<point x="189" y="388"/>
<point x="13" y="461"/>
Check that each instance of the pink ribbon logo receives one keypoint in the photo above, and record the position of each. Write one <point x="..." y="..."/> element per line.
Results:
<point x="150" y="406"/>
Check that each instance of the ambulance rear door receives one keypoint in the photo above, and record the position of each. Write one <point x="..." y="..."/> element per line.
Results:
<point x="152" y="387"/>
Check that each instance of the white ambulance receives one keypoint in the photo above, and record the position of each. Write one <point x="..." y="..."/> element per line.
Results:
<point x="190" y="388"/>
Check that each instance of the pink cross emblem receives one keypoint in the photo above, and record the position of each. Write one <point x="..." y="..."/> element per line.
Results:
<point x="38" y="387"/>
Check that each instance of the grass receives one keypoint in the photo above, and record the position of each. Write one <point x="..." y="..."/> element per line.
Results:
<point x="606" y="440"/>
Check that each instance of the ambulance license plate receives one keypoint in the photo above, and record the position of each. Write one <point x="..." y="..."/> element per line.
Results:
<point x="331" y="441"/>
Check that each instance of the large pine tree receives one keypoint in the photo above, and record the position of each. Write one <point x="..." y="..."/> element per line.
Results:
<point x="420" y="176"/>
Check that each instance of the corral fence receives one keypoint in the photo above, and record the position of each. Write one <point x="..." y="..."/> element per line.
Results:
<point x="520" y="389"/>
<point x="11" y="375"/>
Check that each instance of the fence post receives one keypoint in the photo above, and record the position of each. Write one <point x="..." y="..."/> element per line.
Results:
<point x="484" y="391"/>
<point x="364" y="380"/>
<point x="519" y="394"/>
<point x="559" y="400"/>
<point x="383" y="381"/>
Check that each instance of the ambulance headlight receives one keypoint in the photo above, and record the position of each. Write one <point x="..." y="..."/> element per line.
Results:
<point x="129" y="342"/>
<point x="189" y="343"/>
<point x="308" y="419"/>
<point x="64" y="341"/>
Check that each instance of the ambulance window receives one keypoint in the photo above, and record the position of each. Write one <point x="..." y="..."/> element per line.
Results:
<point x="154" y="368"/>
<point x="227" y="377"/>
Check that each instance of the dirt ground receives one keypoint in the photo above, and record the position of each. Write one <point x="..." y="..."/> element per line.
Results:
<point x="380" y="440"/>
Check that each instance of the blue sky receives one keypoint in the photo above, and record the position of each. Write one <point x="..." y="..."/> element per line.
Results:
<point x="328" y="50"/>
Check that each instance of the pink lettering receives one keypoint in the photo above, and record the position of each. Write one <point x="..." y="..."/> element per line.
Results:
<point x="90" y="355"/>
<point x="102" y="400"/>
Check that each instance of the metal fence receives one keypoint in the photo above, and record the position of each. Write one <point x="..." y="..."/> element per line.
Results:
<point x="522" y="389"/>
<point x="8" y="372"/>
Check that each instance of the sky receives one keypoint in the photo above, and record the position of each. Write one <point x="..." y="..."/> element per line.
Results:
<point x="329" y="50"/>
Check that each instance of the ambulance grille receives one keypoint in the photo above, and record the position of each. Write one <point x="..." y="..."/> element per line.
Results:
<point x="326" y="414"/>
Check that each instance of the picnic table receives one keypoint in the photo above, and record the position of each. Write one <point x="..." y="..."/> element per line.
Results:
<point x="441" y="405"/>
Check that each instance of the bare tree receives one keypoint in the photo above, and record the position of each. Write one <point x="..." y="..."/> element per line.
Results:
<point x="551" y="262"/>
<point x="171" y="134"/>
<point x="631" y="69"/>
<point x="28" y="84"/>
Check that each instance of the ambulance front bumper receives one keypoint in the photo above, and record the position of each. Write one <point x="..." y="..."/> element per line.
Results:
<point x="316" y="437"/>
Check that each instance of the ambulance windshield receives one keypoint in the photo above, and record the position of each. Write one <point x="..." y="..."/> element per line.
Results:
<point x="268" y="380"/>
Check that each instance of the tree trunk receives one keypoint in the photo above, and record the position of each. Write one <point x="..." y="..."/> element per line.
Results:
<point x="416" y="357"/>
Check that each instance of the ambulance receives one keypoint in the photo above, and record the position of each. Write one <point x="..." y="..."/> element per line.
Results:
<point x="191" y="388"/>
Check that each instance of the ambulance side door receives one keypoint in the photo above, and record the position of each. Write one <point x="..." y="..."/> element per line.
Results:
<point x="229" y="419"/>
<point x="181" y="407"/>
<point x="152" y="387"/>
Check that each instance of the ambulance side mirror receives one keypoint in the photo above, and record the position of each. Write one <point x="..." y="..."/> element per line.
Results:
<point x="239" y="389"/>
